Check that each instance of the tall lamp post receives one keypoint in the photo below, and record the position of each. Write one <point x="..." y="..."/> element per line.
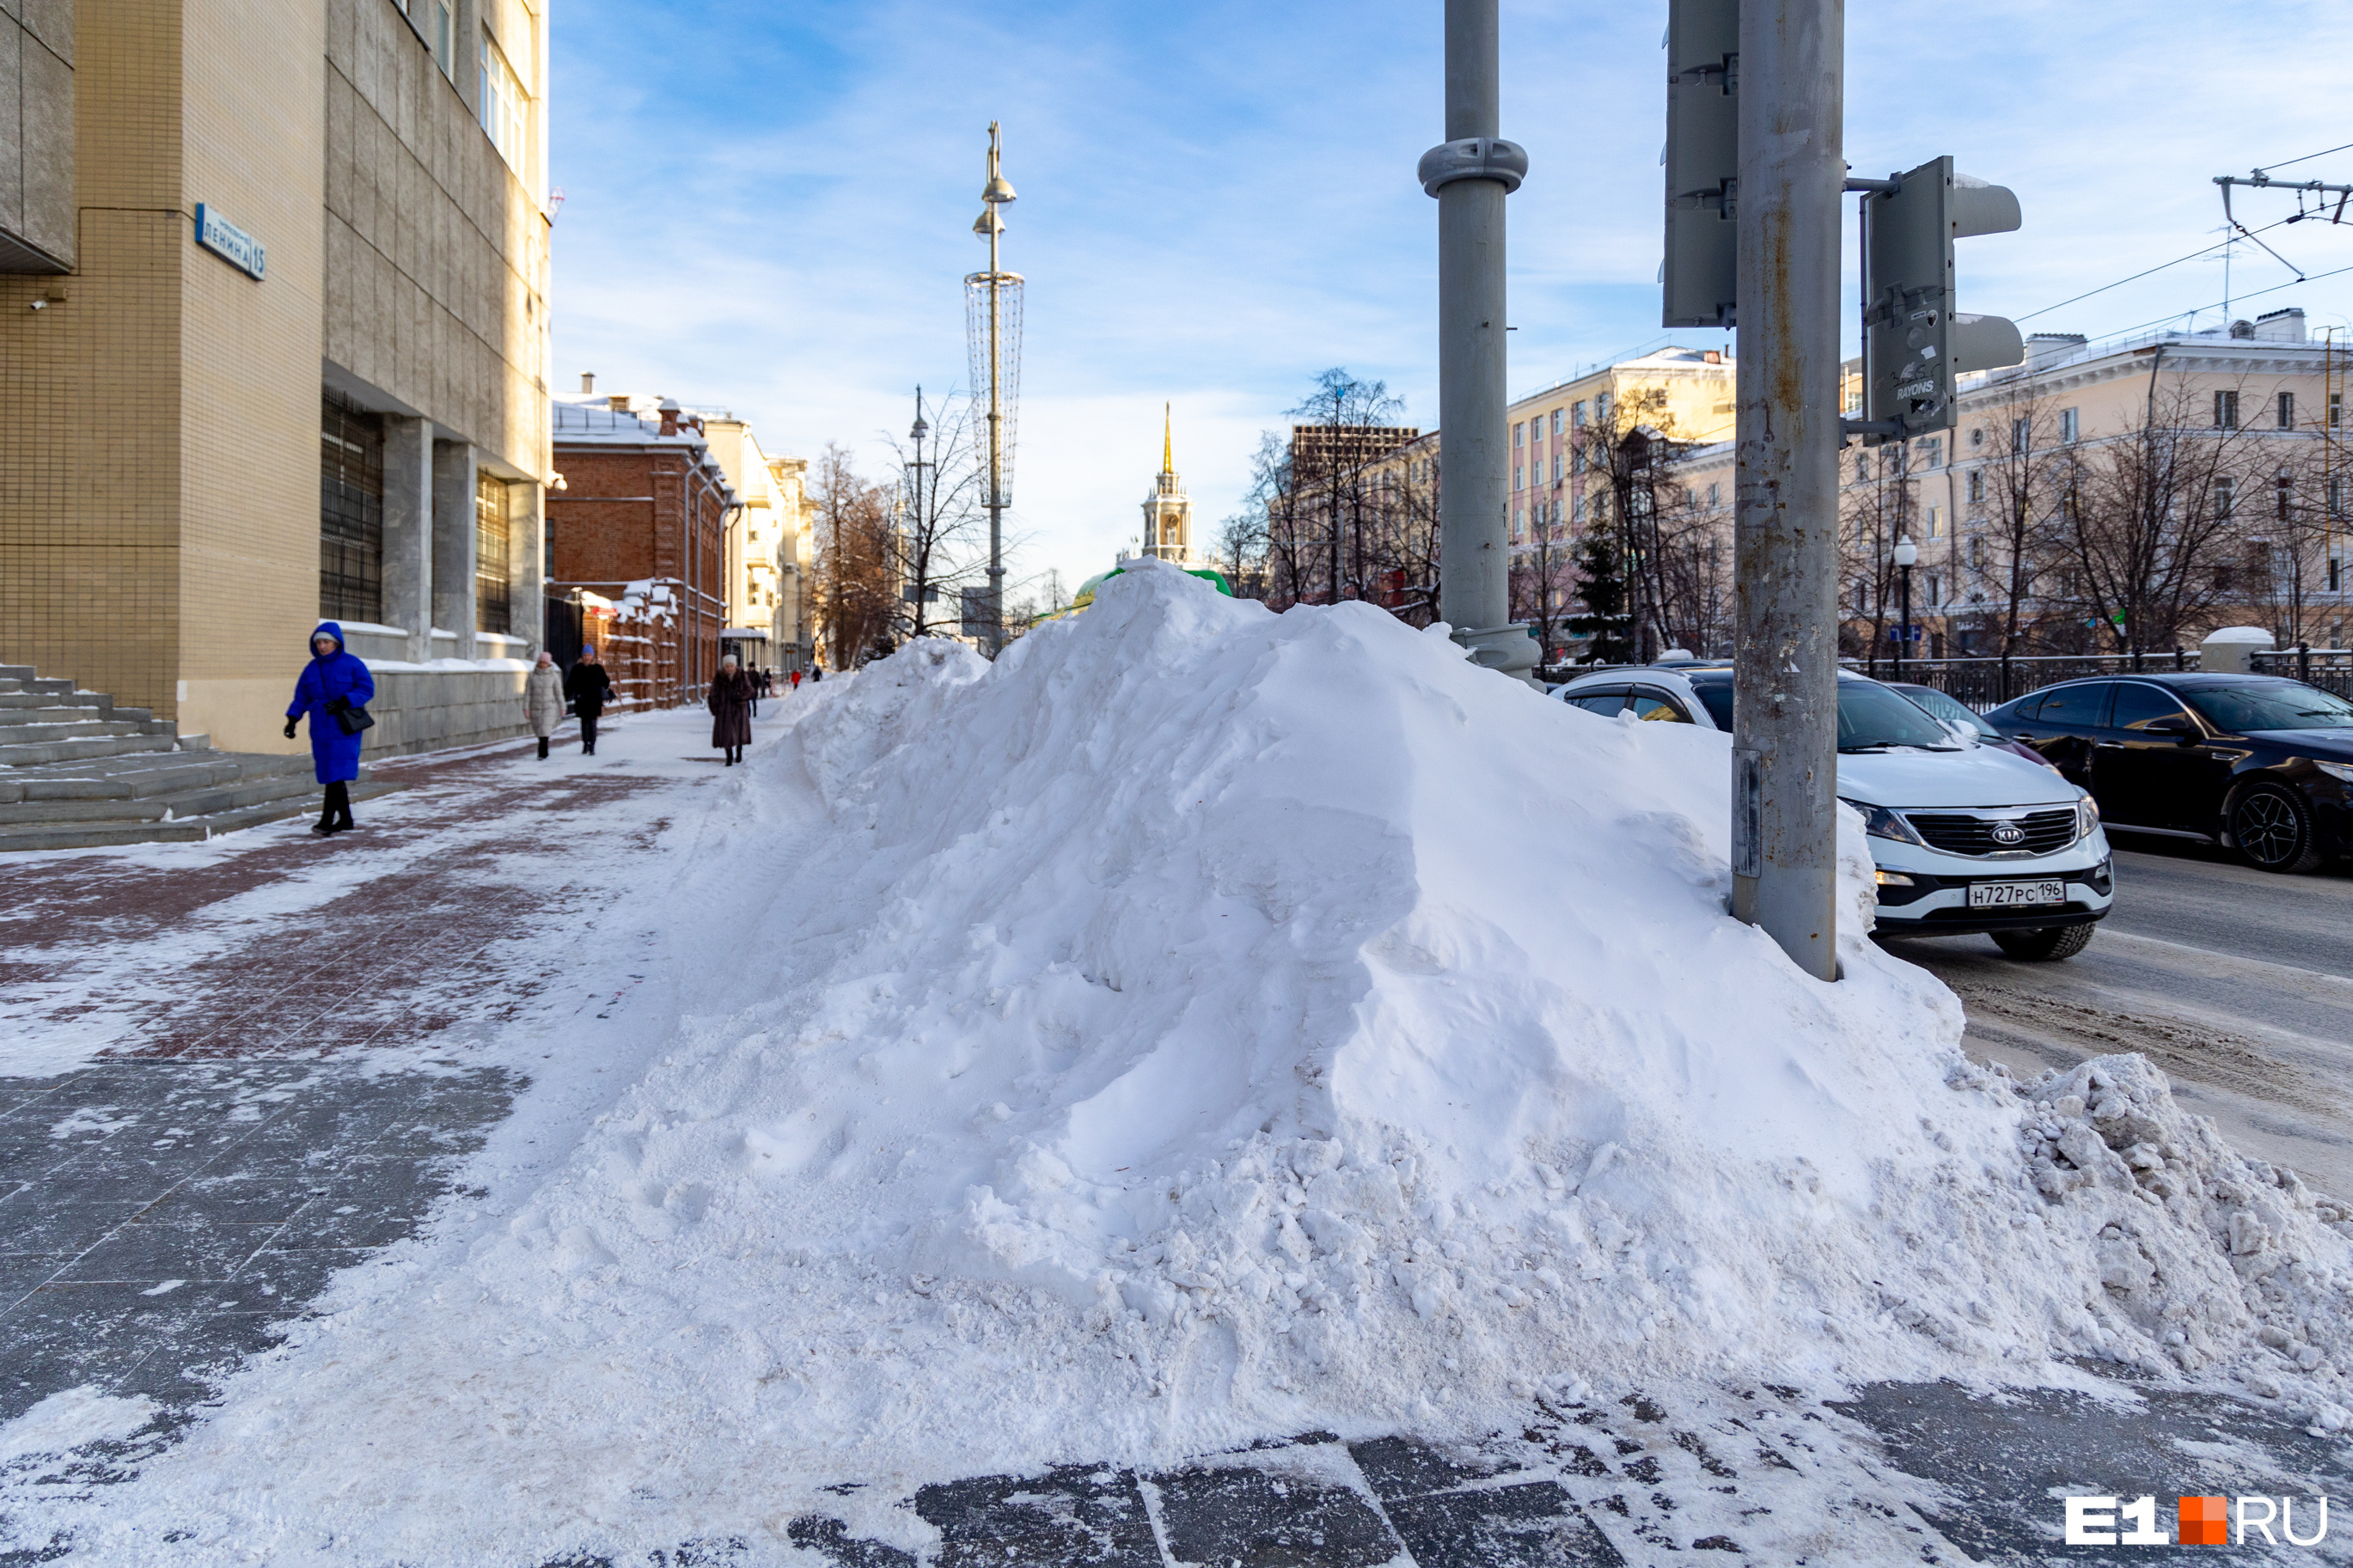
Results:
<point x="995" y="294"/>
<point x="1907" y="554"/>
<point x="922" y="535"/>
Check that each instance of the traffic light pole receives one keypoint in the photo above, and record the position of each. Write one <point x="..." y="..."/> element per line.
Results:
<point x="1785" y="655"/>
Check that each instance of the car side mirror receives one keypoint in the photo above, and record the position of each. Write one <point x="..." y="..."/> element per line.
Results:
<point x="2176" y="725"/>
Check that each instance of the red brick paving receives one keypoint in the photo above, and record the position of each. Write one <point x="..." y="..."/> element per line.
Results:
<point x="399" y="957"/>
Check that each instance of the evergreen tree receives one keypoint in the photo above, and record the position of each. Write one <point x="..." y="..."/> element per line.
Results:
<point x="1601" y="589"/>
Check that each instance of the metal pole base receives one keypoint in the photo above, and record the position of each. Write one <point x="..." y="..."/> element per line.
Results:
<point x="1508" y="651"/>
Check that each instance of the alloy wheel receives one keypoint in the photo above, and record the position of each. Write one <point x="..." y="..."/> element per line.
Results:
<point x="2270" y="831"/>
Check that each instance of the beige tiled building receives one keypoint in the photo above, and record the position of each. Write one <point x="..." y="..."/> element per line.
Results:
<point x="297" y="365"/>
<point x="770" y="544"/>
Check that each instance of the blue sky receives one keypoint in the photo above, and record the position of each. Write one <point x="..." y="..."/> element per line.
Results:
<point x="768" y="208"/>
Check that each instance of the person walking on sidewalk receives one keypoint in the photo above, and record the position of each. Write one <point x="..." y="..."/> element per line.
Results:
<point x="333" y="687"/>
<point x="588" y="685"/>
<point x="730" y="703"/>
<point x="752" y="693"/>
<point x="542" y="698"/>
<point x="797" y="680"/>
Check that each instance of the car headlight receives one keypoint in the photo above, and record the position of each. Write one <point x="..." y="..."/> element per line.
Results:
<point x="1881" y="823"/>
<point x="2339" y="771"/>
<point x="2088" y="818"/>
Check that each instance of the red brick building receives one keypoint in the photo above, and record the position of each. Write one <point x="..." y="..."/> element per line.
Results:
<point x="639" y="513"/>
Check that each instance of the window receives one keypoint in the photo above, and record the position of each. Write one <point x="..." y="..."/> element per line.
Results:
<point x="445" y="54"/>
<point x="1556" y="423"/>
<point x="1935" y="522"/>
<point x="1555" y="468"/>
<point x="491" y="602"/>
<point x="2337" y="498"/>
<point x="1716" y="495"/>
<point x="2226" y="411"/>
<point x="2225" y="490"/>
<point x="1977" y="436"/>
<point x="1577" y="460"/>
<point x="1976" y="484"/>
<point x="2137" y="705"/>
<point x="1862" y="469"/>
<point x="1977" y="553"/>
<point x="2335" y="410"/>
<point x="1519" y="522"/>
<point x="1577" y="511"/>
<point x="1601" y="405"/>
<point x="2288" y="410"/>
<point x="351" y="513"/>
<point x="506" y="108"/>
<point x="1932" y="453"/>
<point x="1936" y="595"/>
<point x="1519" y="472"/>
<point x="2071" y="426"/>
<point x="2021" y="434"/>
<point x="2284" y="494"/>
<point x="1576" y="416"/>
<point x="1517" y="432"/>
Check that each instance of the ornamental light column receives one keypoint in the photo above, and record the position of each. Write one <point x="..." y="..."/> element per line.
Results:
<point x="1470" y="173"/>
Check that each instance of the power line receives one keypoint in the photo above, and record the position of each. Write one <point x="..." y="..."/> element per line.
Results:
<point x="2257" y="294"/>
<point x="2138" y="276"/>
<point x="2308" y="157"/>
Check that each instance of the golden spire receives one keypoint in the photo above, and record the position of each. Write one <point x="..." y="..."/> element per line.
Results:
<point x="1168" y="441"/>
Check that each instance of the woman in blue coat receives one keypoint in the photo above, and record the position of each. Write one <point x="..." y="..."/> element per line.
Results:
<point x="334" y="682"/>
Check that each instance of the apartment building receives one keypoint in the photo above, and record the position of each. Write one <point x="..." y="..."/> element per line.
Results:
<point x="639" y="516"/>
<point x="2229" y="443"/>
<point x="286" y="359"/>
<point x="1677" y="395"/>
<point x="770" y="544"/>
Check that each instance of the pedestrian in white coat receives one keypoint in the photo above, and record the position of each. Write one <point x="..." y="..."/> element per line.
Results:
<point x="543" y="696"/>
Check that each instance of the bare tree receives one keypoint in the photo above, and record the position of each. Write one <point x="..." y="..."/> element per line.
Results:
<point x="937" y="510"/>
<point x="2152" y="524"/>
<point x="855" y="582"/>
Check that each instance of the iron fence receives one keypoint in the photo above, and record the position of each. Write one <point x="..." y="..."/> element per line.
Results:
<point x="2329" y="669"/>
<point x="1988" y="682"/>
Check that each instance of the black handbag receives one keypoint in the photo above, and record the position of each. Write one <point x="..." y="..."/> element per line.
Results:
<point x="353" y="719"/>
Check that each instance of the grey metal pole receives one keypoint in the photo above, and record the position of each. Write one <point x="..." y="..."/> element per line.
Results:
<point x="1470" y="173"/>
<point x="1785" y="677"/>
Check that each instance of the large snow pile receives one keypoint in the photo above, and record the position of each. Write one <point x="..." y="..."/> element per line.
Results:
<point x="1205" y="1024"/>
<point x="1328" y="1024"/>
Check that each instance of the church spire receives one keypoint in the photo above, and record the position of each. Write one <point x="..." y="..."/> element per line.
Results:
<point x="1167" y="439"/>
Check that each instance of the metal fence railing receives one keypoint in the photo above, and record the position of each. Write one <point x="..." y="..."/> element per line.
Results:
<point x="1983" y="683"/>
<point x="2329" y="669"/>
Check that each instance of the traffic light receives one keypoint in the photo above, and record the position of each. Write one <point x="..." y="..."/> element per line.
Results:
<point x="1703" y="161"/>
<point x="1914" y="344"/>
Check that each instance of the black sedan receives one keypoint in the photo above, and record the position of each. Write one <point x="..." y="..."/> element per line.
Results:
<point x="2256" y="762"/>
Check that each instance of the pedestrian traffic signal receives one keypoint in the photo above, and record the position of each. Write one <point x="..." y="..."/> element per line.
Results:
<point x="1914" y="344"/>
<point x="1703" y="162"/>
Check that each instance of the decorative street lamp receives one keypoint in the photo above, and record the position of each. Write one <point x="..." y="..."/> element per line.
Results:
<point x="1907" y="554"/>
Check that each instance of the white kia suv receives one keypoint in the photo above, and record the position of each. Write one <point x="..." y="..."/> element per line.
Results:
<point x="1967" y="837"/>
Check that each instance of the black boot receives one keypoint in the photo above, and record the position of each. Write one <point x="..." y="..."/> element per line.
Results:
<point x="542" y="748"/>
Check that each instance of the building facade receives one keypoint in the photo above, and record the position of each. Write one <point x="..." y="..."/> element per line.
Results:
<point x="641" y="518"/>
<point x="769" y="545"/>
<point x="297" y="368"/>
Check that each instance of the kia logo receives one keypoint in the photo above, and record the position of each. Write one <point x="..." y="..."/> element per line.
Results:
<point x="2009" y="833"/>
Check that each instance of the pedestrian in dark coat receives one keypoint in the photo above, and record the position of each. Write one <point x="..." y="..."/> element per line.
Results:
<point x="731" y="710"/>
<point x="333" y="683"/>
<point x="588" y="685"/>
<point x="752" y="693"/>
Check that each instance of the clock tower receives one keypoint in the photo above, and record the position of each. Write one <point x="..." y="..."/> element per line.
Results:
<point x="1168" y="510"/>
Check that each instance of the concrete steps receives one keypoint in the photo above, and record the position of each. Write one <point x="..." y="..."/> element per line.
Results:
<point x="76" y="772"/>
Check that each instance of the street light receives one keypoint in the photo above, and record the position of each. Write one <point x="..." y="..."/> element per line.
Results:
<point x="1907" y="554"/>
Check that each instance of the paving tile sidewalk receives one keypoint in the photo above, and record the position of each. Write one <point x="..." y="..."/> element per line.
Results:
<point x="166" y="1208"/>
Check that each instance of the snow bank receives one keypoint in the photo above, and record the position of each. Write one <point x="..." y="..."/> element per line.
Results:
<point x="1205" y="1024"/>
<point x="1320" y="1023"/>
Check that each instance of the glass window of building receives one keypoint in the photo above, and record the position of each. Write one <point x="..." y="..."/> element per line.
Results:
<point x="2226" y="411"/>
<point x="2070" y="426"/>
<point x="506" y="108"/>
<point x="493" y="611"/>
<point x="2288" y="410"/>
<point x="351" y="513"/>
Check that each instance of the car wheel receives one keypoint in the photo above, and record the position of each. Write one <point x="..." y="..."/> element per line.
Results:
<point x="2045" y="944"/>
<point x="2272" y="828"/>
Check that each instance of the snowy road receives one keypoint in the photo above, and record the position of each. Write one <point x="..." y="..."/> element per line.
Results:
<point x="2237" y="984"/>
